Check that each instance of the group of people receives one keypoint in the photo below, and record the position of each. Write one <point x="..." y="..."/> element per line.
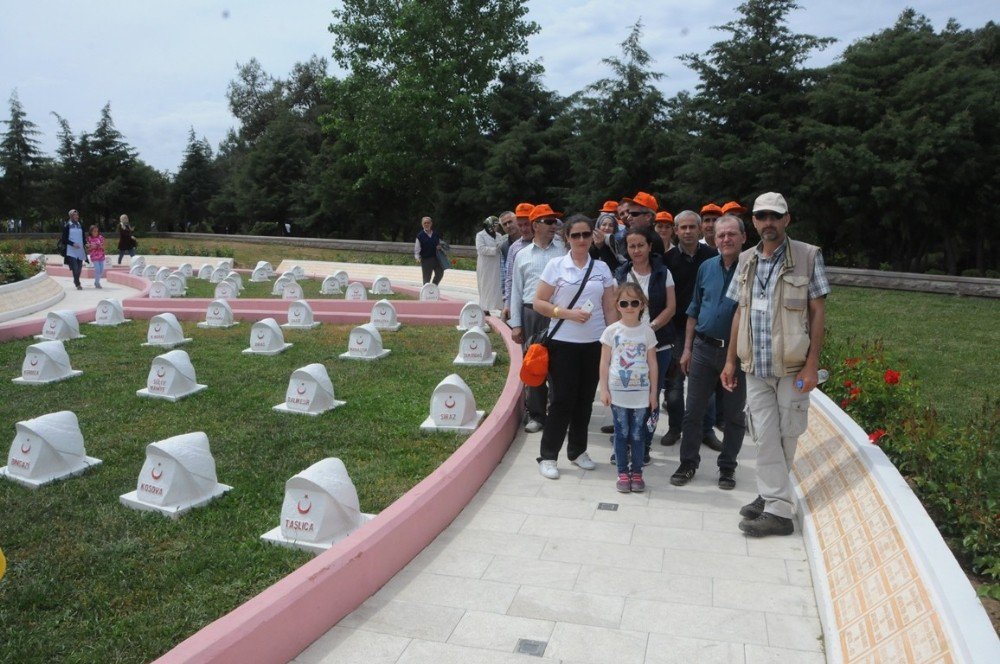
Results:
<point x="638" y="302"/>
<point x="79" y="247"/>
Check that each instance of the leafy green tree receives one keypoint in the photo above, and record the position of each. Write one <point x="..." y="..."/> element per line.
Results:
<point x="21" y="161"/>
<point x="416" y="96"/>
<point x="739" y="134"/>
<point x="195" y="183"/>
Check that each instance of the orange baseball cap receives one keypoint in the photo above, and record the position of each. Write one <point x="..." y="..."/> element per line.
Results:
<point x="523" y="210"/>
<point x="733" y="206"/>
<point x="645" y="200"/>
<point x="711" y="208"/>
<point x="664" y="217"/>
<point x="610" y="206"/>
<point x="543" y="211"/>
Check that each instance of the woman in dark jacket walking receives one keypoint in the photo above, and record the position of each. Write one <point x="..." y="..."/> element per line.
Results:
<point x="126" y="243"/>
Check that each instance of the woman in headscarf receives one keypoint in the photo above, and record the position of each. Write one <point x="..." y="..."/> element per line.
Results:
<point x="488" y="266"/>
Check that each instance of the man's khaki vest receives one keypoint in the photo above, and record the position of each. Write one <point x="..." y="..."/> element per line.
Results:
<point x="790" y="313"/>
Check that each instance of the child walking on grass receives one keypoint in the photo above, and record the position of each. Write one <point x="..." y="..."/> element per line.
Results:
<point x="95" y="247"/>
<point x="628" y="361"/>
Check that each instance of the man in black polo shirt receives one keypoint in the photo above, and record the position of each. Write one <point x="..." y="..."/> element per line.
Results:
<point x="683" y="262"/>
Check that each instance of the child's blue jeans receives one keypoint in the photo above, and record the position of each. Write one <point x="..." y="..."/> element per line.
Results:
<point x="630" y="437"/>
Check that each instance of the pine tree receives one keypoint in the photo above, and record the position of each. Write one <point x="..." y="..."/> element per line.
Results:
<point x="21" y="161"/>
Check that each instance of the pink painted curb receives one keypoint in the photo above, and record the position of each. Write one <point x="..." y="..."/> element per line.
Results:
<point x="282" y="621"/>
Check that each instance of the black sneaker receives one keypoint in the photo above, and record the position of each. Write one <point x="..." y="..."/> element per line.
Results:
<point x="727" y="479"/>
<point x="683" y="474"/>
<point x="646" y="459"/>
<point x="767" y="524"/>
<point x="712" y="442"/>
<point x="751" y="511"/>
<point x="608" y="428"/>
<point x="671" y="437"/>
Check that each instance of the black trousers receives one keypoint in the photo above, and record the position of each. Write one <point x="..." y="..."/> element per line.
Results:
<point x="76" y="267"/>
<point x="574" y="370"/>
<point x="429" y="265"/>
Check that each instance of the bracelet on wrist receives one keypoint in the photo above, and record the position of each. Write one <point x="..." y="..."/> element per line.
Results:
<point x="555" y="312"/>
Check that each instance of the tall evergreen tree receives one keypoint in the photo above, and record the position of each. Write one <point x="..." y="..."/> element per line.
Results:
<point x="21" y="161"/>
<point x="195" y="184"/>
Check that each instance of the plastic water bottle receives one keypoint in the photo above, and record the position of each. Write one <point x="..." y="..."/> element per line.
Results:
<point x="821" y="377"/>
<point x="654" y="417"/>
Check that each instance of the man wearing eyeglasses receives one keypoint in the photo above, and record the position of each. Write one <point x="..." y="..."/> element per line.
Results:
<point x="525" y="322"/>
<point x="777" y="334"/>
<point x="638" y="212"/>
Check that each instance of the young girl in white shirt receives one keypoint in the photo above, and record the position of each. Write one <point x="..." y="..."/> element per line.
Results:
<point x="628" y="383"/>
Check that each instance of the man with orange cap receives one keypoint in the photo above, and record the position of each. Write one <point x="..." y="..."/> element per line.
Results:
<point x="709" y="213"/>
<point x="522" y="222"/>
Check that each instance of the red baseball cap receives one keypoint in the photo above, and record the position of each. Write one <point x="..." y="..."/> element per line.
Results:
<point x="645" y="200"/>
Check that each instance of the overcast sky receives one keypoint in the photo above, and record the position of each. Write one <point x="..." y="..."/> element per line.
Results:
<point x="164" y="65"/>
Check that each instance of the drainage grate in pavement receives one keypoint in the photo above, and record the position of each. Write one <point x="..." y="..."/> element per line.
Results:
<point x="529" y="647"/>
<point x="610" y="507"/>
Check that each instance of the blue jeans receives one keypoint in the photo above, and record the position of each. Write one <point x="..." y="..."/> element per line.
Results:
<point x="630" y="437"/>
<point x="98" y="271"/>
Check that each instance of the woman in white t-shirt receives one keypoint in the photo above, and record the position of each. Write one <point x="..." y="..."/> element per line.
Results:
<point x="658" y="286"/>
<point x="575" y="347"/>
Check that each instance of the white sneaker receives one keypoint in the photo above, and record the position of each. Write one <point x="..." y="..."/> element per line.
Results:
<point x="533" y="426"/>
<point x="584" y="461"/>
<point x="547" y="467"/>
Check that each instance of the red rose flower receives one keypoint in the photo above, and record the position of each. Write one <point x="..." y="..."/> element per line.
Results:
<point x="843" y="403"/>
<point x="848" y="383"/>
<point x="891" y="377"/>
<point x="855" y="391"/>
<point x="875" y="435"/>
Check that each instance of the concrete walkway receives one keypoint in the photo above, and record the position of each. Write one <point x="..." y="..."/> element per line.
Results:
<point x="77" y="300"/>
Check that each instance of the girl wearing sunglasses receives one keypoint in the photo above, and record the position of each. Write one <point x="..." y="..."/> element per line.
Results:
<point x="628" y="383"/>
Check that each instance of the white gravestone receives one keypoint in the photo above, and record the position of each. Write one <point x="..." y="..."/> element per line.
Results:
<point x="225" y="263"/>
<point x="45" y="362"/>
<point x="137" y="270"/>
<point x="453" y="408"/>
<point x="288" y="274"/>
<point x="60" y="326"/>
<point x="162" y="274"/>
<point x="165" y="331"/>
<point x="182" y="277"/>
<point x="430" y="292"/>
<point x="206" y="271"/>
<point x="475" y="349"/>
<point x="236" y="278"/>
<point x="472" y="315"/>
<point x="47" y="449"/>
<point x="266" y="338"/>
<point x="292" y="291"/>
<point x="330" y="286"/>
<point x="137" y="260"/>
<point x="356" y="292"/>
<point x="310" y="392"/>
<point x="365" y="343"/>
<point x="158" y="290"/>
<point x="177" y="476"/>
<point x="218" y="315"/>
<point x="342" y="278"/>
<point x="175" y="285"/>
<point x="171" y="377"/>
<point x="218" y="274"/>
<point x="300" y="316"/>
<point x="280" y="284"/>
<point x="299" y="272"/>
<point x="226" y="290"/>
<point x="381" y="286"/>
<point x="320" y="508"/>
<point x="187" y="270"/>
<point x="265" y="268"/>
<point x="110" y="313"/>
<point x="384" y="316"/>
<point x="150" y="271"/>
<point x="259" y="275"/>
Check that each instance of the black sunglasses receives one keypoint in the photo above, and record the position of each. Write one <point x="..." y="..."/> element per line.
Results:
<point x="547" y="222"/>
<point x="584" y="235"/>
<point x="764" y="215"/>
<point x="629" y="303"/>
<point x="638" y="213"/>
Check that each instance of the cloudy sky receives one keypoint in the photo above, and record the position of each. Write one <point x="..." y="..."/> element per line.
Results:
<point x="164" y="65"/>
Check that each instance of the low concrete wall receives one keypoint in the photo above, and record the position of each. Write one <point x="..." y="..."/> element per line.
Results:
<point x="279" y="623"/>
<point x="888" y="588"/>
<point x="22" y="298"/>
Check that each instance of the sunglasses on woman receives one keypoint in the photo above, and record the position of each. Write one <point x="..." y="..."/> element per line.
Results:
<point x="581" y="235"/>
<point x="624" y="304"/>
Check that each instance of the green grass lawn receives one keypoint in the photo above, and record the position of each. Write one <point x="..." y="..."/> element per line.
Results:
<point x="92" y="580"/>
<point x="949" y="343"/>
